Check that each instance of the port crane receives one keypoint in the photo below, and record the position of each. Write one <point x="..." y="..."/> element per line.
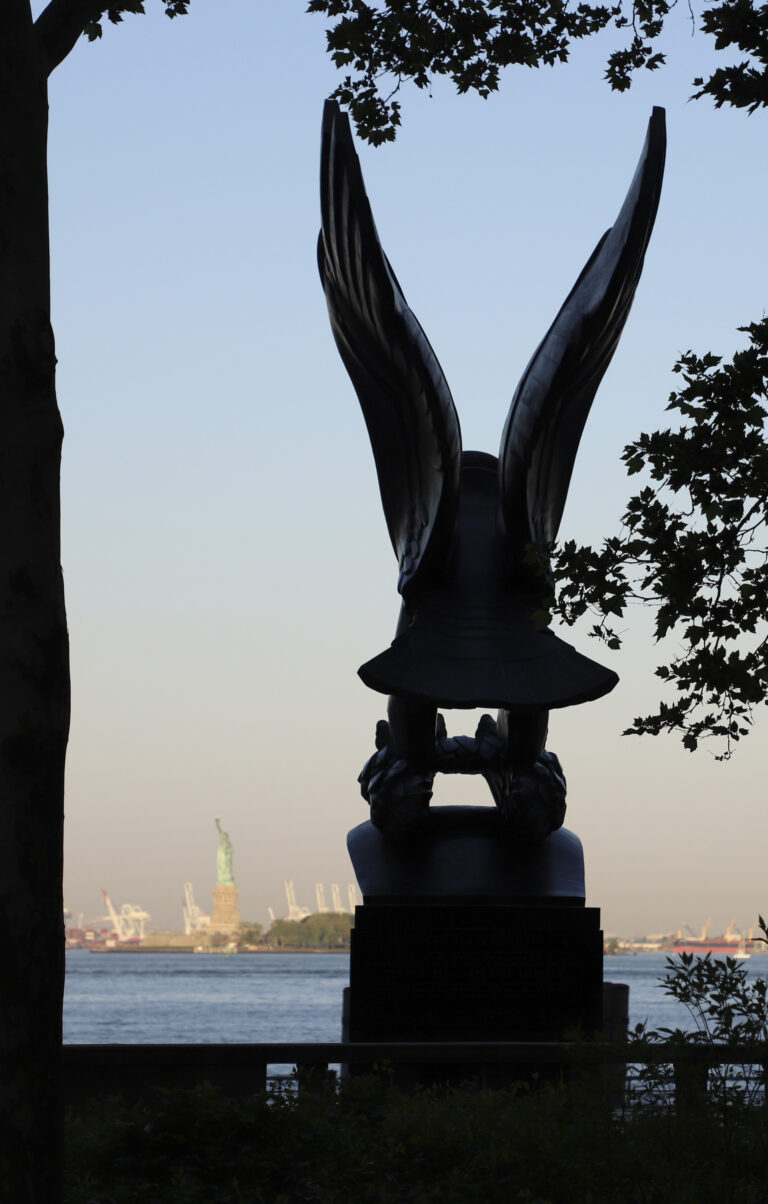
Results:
<point x="294" y="911"/>
<point x="129" y="924"/>
<point x="686" y="930"/>
<point x="194" y="920"/>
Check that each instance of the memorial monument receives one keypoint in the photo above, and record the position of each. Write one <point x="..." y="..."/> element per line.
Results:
<point x="473" y="924"/>
<point x="225" y="917"/>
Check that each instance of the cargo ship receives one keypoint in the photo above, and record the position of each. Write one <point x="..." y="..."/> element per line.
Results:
<point x="731" y="944"/>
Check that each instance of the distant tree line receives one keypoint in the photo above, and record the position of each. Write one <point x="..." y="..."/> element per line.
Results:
<point x="328" y="930"/>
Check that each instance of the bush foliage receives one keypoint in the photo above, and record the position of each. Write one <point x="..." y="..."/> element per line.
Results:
<point x="370" y="1143"/>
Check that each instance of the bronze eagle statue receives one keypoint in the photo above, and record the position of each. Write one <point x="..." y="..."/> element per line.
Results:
<point x="471" y="530"/>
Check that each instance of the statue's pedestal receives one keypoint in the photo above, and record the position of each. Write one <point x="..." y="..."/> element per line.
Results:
<point x="225" y="917"/>
<point x="455" y="970"/>
<point x="465" y="936"/>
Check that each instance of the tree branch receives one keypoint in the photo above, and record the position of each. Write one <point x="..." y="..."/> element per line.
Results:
<point x="59" y="26"/>
<point x="17" y="15"/>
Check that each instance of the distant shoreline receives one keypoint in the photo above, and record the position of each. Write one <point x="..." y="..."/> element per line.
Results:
<point x="218" y="952"/>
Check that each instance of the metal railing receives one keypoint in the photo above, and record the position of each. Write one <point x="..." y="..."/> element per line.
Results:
<point x="91" y="1070"/>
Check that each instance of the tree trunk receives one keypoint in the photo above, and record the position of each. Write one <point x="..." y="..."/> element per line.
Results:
<point x="34" y="676"/>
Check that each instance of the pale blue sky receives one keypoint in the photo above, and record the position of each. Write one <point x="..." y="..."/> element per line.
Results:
<point x="226" y="561"/>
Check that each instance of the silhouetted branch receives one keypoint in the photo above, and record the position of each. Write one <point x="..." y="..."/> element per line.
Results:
<point x="59" y="26"/>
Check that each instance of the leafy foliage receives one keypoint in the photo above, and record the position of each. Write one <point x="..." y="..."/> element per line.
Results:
<point x="382" y="45"/>
<point x="738" y="23"/>
<point x="93" y="29"/>
<point x="374" y="1145"/>
<point x="723" y="1002"/>
<point x="469" y="41"/>
<point x="727" y="1007"/>
<point x="693" y="546"/>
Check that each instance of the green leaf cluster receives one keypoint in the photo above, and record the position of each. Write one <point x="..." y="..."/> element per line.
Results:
<point x="114" y="13"/>
<point x="469" y="41"/>
<point x="382" y="45"/>
<point x="742" y="24"/>
<point x="694" y="546"/>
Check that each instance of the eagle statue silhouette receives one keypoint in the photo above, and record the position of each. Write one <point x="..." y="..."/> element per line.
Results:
<point x="470" y="530"/>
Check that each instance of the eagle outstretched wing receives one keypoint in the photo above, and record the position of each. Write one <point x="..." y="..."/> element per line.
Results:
<point x="552" y="401"/>
<point x="405" y="399"/>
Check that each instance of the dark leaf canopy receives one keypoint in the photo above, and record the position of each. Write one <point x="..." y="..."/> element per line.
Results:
<point x="93" y="30"/>
<point x="694" y="546"/>
<point x="380" y="46"/>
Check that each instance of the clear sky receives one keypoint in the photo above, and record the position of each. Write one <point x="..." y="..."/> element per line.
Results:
<point x="226" y="561"/>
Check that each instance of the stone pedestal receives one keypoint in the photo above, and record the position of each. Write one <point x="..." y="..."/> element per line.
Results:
<point x="461" y="970"/>
<point x="226" y="913"/>
<point x="467" y="935"/>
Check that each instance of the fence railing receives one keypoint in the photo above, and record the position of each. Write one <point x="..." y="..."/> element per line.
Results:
<point x="91" y="1070"/>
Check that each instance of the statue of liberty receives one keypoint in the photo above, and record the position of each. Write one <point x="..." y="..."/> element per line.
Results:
<point x="224" y="858"/>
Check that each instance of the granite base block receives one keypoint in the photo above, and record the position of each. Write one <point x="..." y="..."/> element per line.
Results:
<point x="457" y="970"/>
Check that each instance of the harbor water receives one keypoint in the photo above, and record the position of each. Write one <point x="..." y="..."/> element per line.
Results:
<point x="151" y="998"/>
